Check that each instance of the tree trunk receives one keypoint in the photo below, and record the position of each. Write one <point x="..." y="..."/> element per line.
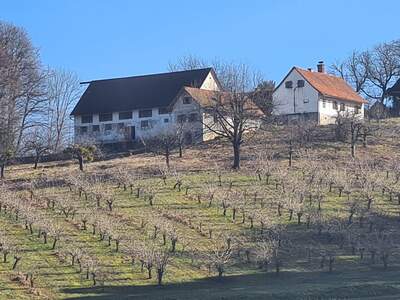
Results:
<point x="159" y="276"/>
<point x="37" y="158"/>
<point x="54" y="244"/>
<point x="173" y="244"/>
<point x="236" y="155"/>
<point x="94" y="279"/>
<point x="2" y="167"/>
<point x="17" y="259"/>
<point x="299" y="218"/>
<point x="353" y="150"/>
<point x="220" y="272"/>
<point x="80" y="160"/>
<point x="167" y="158"/>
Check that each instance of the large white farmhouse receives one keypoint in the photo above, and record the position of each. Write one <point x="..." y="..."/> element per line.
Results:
<point x="126" y="109"/>
<point x="315" y="95"/>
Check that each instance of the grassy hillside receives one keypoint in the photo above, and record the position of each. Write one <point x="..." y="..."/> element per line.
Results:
<point x="312" y="223"/>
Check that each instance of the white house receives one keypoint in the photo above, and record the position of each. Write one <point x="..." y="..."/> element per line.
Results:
<point x="126" y="109"/>
<point x="315" y="95"/>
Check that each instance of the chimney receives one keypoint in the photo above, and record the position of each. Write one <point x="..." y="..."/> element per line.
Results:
<point x="309" y="69"/>
<point x="321" y="67"/>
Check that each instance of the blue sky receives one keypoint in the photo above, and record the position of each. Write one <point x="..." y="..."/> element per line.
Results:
<point x="103" y="39"/>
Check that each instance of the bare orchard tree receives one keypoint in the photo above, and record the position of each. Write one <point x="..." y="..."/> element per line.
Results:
<point x="64" y="91"/>
<point x="163" y="142"/>
<point x="37" y="143"/>
<point x="353" y="129"/>
<point x="234" y="112"/>
<point x="82" y="153"/>
<point x="219" y="257"/>
<point x="161" y="259"/>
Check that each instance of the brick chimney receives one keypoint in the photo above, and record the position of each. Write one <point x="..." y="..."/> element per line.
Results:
<point x="321" y="67"/>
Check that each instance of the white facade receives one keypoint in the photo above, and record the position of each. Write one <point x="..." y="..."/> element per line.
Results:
<point x="302" y="99"/>
<point x="185" y="111"/>
<point x="295" y="100"/>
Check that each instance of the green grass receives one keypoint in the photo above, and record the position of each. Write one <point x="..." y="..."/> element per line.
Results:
<point x="302" y="278"/>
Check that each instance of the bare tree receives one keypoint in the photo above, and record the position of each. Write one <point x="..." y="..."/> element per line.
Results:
<point x="351" y="127"/>
<point x="82" y="153"/>
<point x="371" y="72"/>
<point x="63" y="90"/>
<point x="161" y="259"/>
<point x="219" y="257"/>
<point x="187" y="62"/>
<point x="22" y="82"/>
<point x="353" y="69"/>
<point x="22" y="89"/>
<point x="383" y="66"/>
<point x="163" y="142"/>
<point x="233" y="112"/>
<point x="38" y="143"/>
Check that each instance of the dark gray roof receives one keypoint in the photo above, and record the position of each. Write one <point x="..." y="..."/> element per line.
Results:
<point x="137" y="92"/>
<point x="395" y="89"/>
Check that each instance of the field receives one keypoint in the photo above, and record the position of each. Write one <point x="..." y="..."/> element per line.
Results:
<point x="325" y="228"/>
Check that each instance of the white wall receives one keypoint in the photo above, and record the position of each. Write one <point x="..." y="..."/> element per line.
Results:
<point x="328" y="114"/>
<point x="210" y="83"/>
<point x="116" y="135"/>
<point x="284" y="98"/>
<point x="157" y="120"/>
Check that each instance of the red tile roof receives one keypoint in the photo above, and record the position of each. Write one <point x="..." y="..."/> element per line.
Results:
<point x="331" y="86"/>
<point x="207" y="98"/>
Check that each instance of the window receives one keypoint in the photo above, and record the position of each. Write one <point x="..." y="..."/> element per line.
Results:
<point x="305" y="100"/>
<point x="145" y="113"/>
<point x="300" y="83"/>
<point x="108" y="127"/>
<point x="83" y="129"/>
<point x="162" y="111"/>
<point x="324" y="103"/>
<point x="121" y="126"/>
<point x="166" y="120"/>
<point x="342" y="107"/>
<point x="334" y="103"/>
<point x="87" y="119"/>
<point x="144" y="124"/>
<point x="192" y="117"/>
<point x="187" y="100"/>
<point x="288" y="84"/>
<point x="105" y="117"/>
<point x="181" y="118"/>
<point x="125" y="115"/>
<point x="95" y="128"/>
